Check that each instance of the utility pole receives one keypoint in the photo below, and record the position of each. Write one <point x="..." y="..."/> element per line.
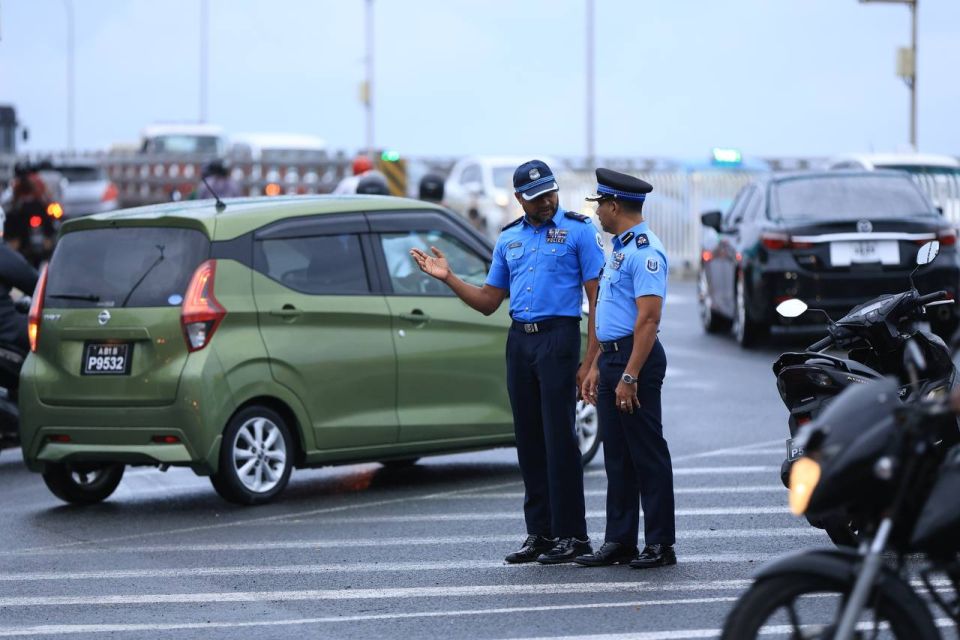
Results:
<point x="907" y="63"/>
<point x="68" y="5"/>
<point x="367" y="92"/>
<point x="591" y="155"/>
<point x="204" y="56"/>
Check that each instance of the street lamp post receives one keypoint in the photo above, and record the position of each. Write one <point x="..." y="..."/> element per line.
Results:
<point x="204" y="56"/>
<point x="907" y="63"/>
<point x="589" y="76"/>
<point x="68" y="5"/>
<point x="368" y="84"/>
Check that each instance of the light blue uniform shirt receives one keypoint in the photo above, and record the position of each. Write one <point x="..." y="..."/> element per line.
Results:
<point x="636" y="267"/>
<point x="545" y="267"/>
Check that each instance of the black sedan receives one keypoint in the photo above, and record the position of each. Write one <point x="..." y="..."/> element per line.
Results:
<point x="832" y="239"/>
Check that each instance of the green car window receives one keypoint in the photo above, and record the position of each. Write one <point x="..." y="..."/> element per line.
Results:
<point x="406" y="277"/>
<point x="316" y="265"/>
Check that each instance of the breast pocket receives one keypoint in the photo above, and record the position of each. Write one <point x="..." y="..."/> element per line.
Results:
<point x="514" y="253"/>
<point x="557" y="254"/>
<point x="610" y="278"/>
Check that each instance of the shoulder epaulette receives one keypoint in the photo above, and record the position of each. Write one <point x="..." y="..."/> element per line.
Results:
<point x="512" y="224"/>
<point x="576" y="216"/>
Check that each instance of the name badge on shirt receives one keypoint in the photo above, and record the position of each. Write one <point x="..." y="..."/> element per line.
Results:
<point x="556" y="236"/>
<point x="514" y="245"/>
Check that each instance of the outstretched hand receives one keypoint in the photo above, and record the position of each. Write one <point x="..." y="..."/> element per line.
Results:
<point x="438" y="267"/>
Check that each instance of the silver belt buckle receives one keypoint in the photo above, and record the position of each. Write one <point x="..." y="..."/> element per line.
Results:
<point x="530" y="327"/>
<point x="611" y="347"/>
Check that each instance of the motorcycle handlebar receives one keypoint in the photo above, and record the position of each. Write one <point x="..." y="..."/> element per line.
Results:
<point x="932" y="297"/>
<point x="821" y="344"/>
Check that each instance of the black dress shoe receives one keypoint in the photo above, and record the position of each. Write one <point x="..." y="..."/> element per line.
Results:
<point x="610" y="553"/>
<point x="655" y="555"/>
<point x="566" y="550"/>
<point x="532" y="547"/>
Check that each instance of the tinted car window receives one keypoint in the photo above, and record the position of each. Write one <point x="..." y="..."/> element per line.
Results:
<point x="857" y="196"/>
<point x="82" y="174"/>
<point x="102" y="267"/>
<point x="735" y="215"/>
<point x="406" y="276"/>
<point x="316" y="265"/>
<point x="471" y="173"/>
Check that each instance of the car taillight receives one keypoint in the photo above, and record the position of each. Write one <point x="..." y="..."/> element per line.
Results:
<point x="36" y="309"/>
<point x="947" y="237"/>
<point x="201" y="314"/>
<point x="110" y="193"/>
<point x="778" y="241"/>
<point x="55" y="210"/>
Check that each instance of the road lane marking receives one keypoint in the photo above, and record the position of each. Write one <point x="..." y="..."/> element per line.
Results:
<point x="707" y="471"/>
<point x="592" y="493"/>
<point x="800" y="530"/>
<point x="389" y="593"/>
<point x="516" y="515"/>
<point x="43" y="630"/>
<point x="340" y="567"/>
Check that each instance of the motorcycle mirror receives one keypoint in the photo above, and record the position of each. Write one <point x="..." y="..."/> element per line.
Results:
<point x="792" y="308"/>
<point x="928" y="253"/>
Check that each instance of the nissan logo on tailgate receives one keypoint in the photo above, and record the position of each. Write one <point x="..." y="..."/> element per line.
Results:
<point x="864" y="226"/>
<point x="104" y="317"/>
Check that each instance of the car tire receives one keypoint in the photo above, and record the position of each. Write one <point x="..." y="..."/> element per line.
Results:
<point x="83" y="483"/>
<point x="588" y="431"/>
<point x="256" y="457"/>
<point x="711" y="321"/>
<point x="403" y="463"/>
<point x="746" y="332"/>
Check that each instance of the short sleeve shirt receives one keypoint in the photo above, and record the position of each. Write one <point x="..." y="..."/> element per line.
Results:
<point x="636" y="267"/>
<point x="544" y="267"/>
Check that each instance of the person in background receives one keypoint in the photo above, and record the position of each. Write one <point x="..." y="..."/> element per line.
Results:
<point x="218" y="178"/>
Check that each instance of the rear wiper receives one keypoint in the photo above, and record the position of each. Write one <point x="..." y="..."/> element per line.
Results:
<point x="145" y="274"/>
<point x="88" y="297"/>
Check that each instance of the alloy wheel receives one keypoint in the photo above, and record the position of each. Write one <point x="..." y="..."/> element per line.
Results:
<point x="587" y="426"/>
<point x="259" y="455"/>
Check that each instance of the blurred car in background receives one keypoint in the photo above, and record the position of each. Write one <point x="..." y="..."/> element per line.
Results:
<point x="937" y="175"/>
<point x="201" y="139"/>
<point x="481" y="189"/>
<point x="85" y="189"/>
<point x="833" y="239"/>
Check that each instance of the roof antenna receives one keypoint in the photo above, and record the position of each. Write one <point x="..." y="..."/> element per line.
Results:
<point x="220" y="206"/>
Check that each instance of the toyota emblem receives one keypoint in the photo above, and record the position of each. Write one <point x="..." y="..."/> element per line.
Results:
<point x="864" y="226"/>
<point x="104" y="317"/>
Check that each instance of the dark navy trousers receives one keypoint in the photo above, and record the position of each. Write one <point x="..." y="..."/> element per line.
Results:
<point x="637" y="460"/>
<point x="542" y="381"/>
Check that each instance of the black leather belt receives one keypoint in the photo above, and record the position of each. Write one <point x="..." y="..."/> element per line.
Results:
<point x="623" y="344"/>
<point x="543" y="325"/>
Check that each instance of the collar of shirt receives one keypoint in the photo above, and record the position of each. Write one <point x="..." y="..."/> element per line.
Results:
<point x="555" y="220"/>
<point x="624" y="238"/>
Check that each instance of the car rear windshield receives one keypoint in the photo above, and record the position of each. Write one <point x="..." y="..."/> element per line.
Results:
<point x="847" y="197"/>
<point x="82" y="174"/>
<point x="124" y="266"/>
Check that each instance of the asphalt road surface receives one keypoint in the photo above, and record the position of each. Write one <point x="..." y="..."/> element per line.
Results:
<point x="363" y="552"/>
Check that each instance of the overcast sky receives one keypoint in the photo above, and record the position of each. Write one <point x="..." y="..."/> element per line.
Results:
<point x="453" y="77"/>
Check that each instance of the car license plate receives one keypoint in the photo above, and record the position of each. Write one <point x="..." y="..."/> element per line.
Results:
<point x="843" y="254"/>
<point x="793" y="452"/>
<point x="106" y="358"/>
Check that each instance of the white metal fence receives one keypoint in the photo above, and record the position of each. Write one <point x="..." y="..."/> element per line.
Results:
<point x="673" y="209"/>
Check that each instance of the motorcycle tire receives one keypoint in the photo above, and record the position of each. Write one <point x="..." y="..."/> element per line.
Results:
<point x="83" y="484"/>
<point x="753" y="610"/>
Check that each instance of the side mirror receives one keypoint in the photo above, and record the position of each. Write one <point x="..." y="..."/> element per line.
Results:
<point x="940" y="209"/>
<point x="928" y="253"/>
<point x="792" y="308"/>
<point x="712" y="219"/>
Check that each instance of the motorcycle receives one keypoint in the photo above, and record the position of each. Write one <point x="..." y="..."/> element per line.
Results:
<point x="11" y="361"/>
<point x="881" y="458"/>
<point x="874" y="334"/>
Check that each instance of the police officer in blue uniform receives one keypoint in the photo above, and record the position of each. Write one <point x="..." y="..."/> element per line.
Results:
<point x="543" y="260"/>
<point x="626" y="380"/>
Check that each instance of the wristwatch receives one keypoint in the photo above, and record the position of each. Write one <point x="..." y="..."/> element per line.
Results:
<point x="628" y="379"/>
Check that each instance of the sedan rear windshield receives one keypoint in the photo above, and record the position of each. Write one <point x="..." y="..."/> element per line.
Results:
<point x="856" y="196"/>
<point x="124" y="266"/>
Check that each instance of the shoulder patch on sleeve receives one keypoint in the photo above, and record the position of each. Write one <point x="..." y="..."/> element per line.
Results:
<point x="642" y="240"/>
<point x="512" y="224"/>
<point x="653" y="265"/>
<point x="576" y="216"/>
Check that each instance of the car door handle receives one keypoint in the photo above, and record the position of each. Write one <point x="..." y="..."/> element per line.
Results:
<point x="287" y="312"/>
<point x="415" y="316"/>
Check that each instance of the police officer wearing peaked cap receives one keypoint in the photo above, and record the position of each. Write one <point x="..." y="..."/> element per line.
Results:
<point x="625" y="381"/>
<point x="544" y="260"/>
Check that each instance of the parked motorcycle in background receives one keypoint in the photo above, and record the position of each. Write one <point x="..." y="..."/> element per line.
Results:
<point x="874" y="335"/>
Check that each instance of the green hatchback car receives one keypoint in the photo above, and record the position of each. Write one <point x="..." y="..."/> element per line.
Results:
<point x="266" y="335"/>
